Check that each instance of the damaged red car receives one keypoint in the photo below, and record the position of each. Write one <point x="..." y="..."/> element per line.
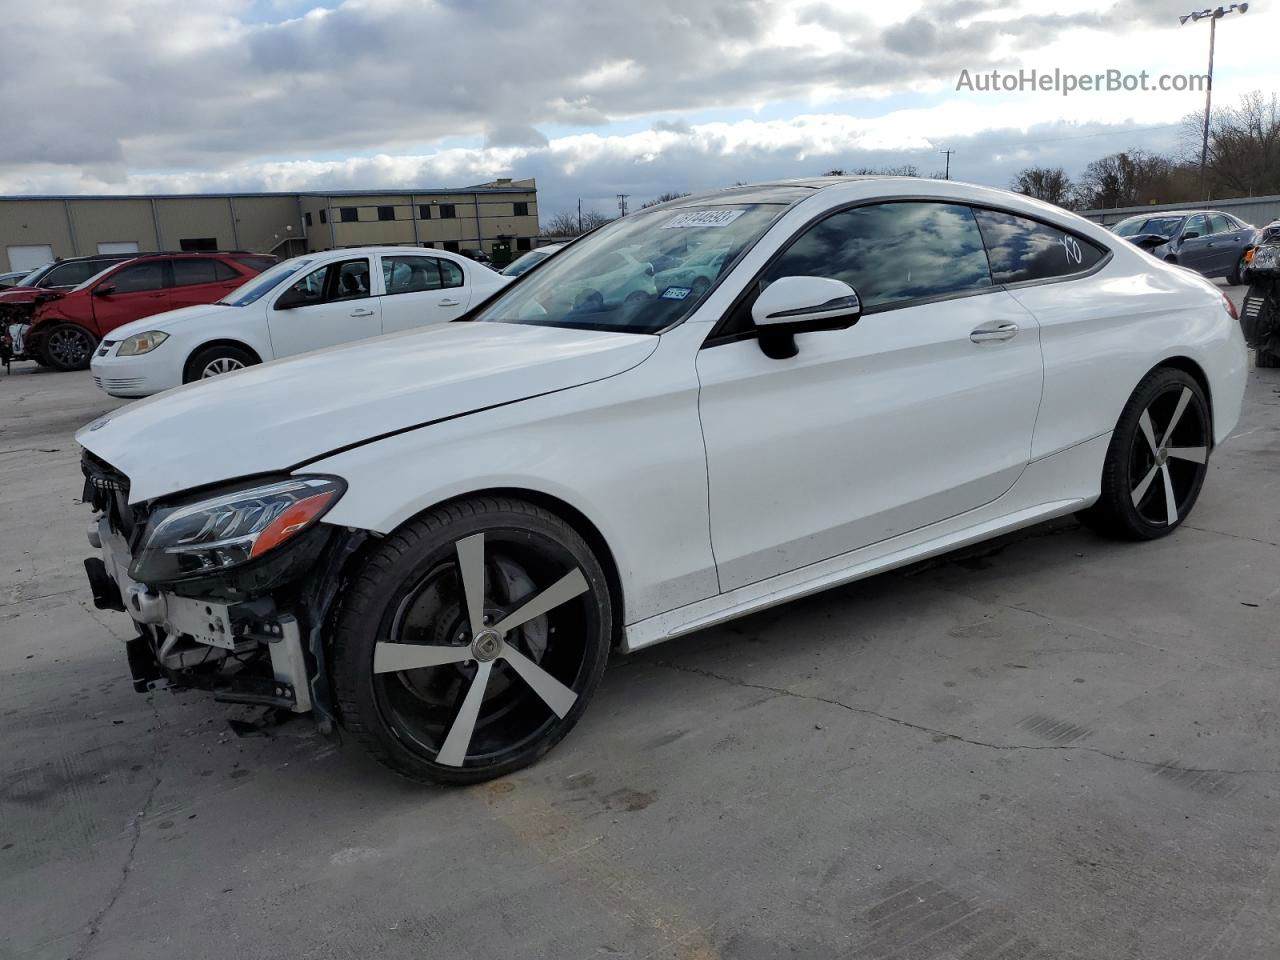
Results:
<point x="64" y="327"/>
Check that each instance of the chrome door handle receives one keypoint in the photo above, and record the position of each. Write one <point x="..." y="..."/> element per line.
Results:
<point x="993" y="331"/>
<point x="362" y="313"/>
<point x="449" y="302"/>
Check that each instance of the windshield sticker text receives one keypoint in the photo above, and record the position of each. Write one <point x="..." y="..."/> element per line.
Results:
<point x="703" y="218"/>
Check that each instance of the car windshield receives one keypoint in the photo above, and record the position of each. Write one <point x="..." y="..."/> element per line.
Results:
<point x="526" y="263"/>
<point x="1160" y="226"/>
<point x="639" y="274"/>
<point x="264" y="283"/>
<point x="32" y="278"/>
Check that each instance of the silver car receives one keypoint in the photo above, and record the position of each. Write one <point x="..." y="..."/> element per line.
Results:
<point x="1210" y="242"/>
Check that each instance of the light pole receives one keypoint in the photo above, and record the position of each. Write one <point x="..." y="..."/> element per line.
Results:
<point x="1213" y="16"/>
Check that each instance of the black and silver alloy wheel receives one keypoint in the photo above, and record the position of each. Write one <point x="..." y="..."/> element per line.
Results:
<point x="1166" y="473"/>
<point x="69" y="347"/>
<point x="471" y="641"/>
<point x="1157" y="459"/>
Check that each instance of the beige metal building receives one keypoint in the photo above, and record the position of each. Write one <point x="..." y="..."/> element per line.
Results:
<point x="499" y="218"/>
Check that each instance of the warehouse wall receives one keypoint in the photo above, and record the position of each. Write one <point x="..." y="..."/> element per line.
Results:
<point x="75" y="226"/>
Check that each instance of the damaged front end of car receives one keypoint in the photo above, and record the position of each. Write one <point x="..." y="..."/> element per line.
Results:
<point x="230" y="587"/>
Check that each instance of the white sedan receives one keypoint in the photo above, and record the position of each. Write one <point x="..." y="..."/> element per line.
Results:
<point x="436" y="540"/>
<point x="313" y="301"/>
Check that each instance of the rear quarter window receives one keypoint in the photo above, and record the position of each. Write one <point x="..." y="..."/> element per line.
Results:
<point x="1021" y="249"/>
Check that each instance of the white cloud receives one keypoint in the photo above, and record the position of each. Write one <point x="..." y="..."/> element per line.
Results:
<point x="167" y="95"/>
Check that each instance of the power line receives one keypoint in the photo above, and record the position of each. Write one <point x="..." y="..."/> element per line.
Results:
<point x="1086" y="136"/>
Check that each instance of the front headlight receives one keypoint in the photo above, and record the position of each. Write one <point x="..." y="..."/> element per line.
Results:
<point x="1267" y="259"/>
<point x="211" y="535"/>
<point x="141" y="343"/>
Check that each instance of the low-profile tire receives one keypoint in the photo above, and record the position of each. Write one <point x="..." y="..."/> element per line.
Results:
<point x="1157" y="459"/>
<point x="438" y="697"/>
<point x="216" y="360"/>
<point x="68" y="346"/>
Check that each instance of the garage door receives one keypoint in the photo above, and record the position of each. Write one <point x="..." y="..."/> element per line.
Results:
<point x="30" y="256"/>
<point x="126" y="246"/>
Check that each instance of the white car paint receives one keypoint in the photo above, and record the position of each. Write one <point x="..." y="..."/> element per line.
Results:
<point x="273" y="333"/>
<point x="723" y="481"/>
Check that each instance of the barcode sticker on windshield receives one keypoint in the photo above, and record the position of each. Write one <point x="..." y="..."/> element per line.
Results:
<point x="703" y="218"/>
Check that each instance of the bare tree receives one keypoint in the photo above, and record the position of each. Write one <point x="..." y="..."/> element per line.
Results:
<point x="1050" y="184"/>
<point x="1132" y="178"/>
<point x="662" y="198"/>
<point x="902" y="170"/>
<point x="1244" y="147"/>
<point x="566" y="224"/>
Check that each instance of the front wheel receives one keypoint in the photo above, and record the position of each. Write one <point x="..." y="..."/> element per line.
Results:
<point x="1157" y="459"/>
<point x="68" y="347"/>
<point x="471" y="641"/>
<point x="216" y="360"/>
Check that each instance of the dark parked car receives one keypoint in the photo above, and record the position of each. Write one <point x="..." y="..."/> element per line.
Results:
<point x="1208" y="241"/>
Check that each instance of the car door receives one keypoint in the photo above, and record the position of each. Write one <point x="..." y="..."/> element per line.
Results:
<point x="328" y="305"/>
<point x="1228" y="242"/>
<point x="920" y="411"/>
<point x="134" y="291"/>
<point x="201" y="280"/>
<point x="1194" y="248"/>
<point x="421" y="290"/>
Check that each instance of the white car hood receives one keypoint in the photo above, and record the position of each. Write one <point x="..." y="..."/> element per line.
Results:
<point x="166" y="320"/>
<point x="274" y="416"/>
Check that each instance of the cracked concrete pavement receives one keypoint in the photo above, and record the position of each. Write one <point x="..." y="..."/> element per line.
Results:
<point x="1051" y="746"/>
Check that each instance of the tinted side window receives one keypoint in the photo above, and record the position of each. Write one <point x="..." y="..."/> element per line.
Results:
<point x="258" y="263"/>
<point x="450" y="273"/>
<point x="135" y="279"/>
<point x="187" y="273"/>
<point x="892" y="252"/>
<point x="1199" y="225"/>
<point x="223" y="271"/>
<point x="410" y="274"/>
<point x="1022" y="249"/>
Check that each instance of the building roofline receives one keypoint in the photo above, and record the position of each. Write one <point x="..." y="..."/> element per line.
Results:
<point x="381" y="192"/>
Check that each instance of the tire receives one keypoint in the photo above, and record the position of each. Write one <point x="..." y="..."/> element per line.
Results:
<point x="66" y="347"/>
<point x="1236" y="277"/>
<point x="1147" y="490"/>
<point x="216" y="360"/>
<point x="406" y="659"/>
<point x="1266" y="360"/>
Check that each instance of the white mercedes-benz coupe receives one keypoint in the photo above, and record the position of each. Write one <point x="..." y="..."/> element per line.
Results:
<point x="313" y="301"/>
<point x="436" y="539"/>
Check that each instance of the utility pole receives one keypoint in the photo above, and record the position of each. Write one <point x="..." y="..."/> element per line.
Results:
<point x="947" y="154"/>
<point x="622" y="204"/>
<point x="1213" y="16"/>
<point x="579" y="216"/>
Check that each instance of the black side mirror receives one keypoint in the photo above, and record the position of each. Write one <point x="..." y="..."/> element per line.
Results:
<point x="1191" y="235"/>
<point x="104" y="289"/>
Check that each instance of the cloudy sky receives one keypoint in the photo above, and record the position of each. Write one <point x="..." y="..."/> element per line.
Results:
<point x="592" y="97"/>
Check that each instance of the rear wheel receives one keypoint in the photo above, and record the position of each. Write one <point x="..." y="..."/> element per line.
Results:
<point x="1157" y="459"/>
<point x="1236" y="277"/>
<point x="471" y="641"/>
<point x="1267" y="360"/>
<point x="68" y="347"/>
<point x="216" y="360"/>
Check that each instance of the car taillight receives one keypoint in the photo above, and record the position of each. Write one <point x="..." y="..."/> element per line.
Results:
<point x="1230" y="308"/>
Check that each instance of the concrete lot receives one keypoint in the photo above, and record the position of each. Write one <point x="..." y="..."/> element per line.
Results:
<point x="1052" y="746"/>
